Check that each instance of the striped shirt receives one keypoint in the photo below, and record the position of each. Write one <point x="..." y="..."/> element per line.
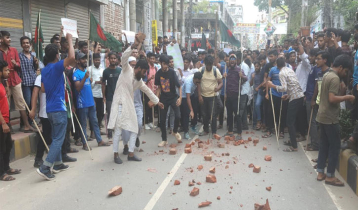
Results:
<point x="290" y="84"/>
<point x="28" y="71"/>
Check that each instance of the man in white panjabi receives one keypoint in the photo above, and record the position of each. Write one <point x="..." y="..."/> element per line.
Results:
<point x="123" y="114"/>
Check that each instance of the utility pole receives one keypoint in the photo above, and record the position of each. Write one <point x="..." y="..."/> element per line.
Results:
<point x="303" y="14"/>
<point x="269" y="16"/>
<point x="175" y="17"/>
<point x="132" y="15"/>
<point x="165" y="16"/>
<point x="190" y="23"/>
<point x="182" y="31"/>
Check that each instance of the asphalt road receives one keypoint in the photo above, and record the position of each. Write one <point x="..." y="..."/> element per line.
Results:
<point x="150" y="184"/>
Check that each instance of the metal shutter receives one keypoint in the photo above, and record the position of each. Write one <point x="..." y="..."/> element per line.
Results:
<point x="51" y="14"/>
<point x="78" y="10"/>
<point x="95" y="9"/>
<point x="11" y="20"/>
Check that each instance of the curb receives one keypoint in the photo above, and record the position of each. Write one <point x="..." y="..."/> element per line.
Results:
<point x="23" y="145"/>
<point x="348" y="168"/>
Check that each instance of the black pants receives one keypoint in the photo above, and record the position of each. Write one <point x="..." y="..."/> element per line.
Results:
<point x="148" y="111"/>
<point x="292" y="112"/>
<point x="47" y="134"/>
<point x="277" y="106"/>
<point x="5" y="149"/>
<point x="185" y="112"/>
<point x="77" y="134"/>
<point x="221" y="114"/>
<point x="355" y="105"/>
<point x="242" y="117"/>
<point x="231" y="107"/>
<point x="66" y="145"/>
<point x="99" y="109"/>
<point x="163" y="117"/>
<point x="208" y="112"/>
<point x="301" y="120"/>
<point x="195" y="106"/>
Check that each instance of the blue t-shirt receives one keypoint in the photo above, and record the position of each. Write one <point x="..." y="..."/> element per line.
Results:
<point x="188" y="86"/>
<point x="85" y="96"/>
<point x="222" y="71"/>
<point x="355" y="73"/>
<point x="275" y="78"/>
<point x="287" y="51"/>
<point x="311" y="82"/>
<point x="54" y="83"/>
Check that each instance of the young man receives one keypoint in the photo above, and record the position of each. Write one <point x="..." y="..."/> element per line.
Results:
<point x="29" y="65"/>
<point x="123" y="115"/>
<point x="223" y="70"/>
<point x="11" y="56"/>
<point x="355" y="79"/>
<point x="83" y="48"/>
<point x="167" y="82"/>
<point x="85" y="101"/>
<point x="186" y="108"/>
<point x="53" y="84"/>
<point x="234" y="75"/>
<point x="321" y="44"/>
<point x="96" y="74"/>
<point x="109" y="82"/>
<point x="150" y="76"/>
<point x="5" y="134"/>
<point x="328" y="117"/>
<point x="210" y="85"/>
<point x="289" y="84"/>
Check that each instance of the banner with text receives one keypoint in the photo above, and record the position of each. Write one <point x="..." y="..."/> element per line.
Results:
<point x="249" y="28"/>
<point x="177" y="57"/>
<point x="69" y="26"/>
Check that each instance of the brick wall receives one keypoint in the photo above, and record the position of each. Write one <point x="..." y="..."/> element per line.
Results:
<point x="114" y="19"/>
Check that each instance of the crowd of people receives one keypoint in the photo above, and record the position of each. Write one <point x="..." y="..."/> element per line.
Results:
<point x="277" y="90"/>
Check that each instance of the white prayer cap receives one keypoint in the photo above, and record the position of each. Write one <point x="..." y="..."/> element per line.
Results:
<point x="131" y="58"/>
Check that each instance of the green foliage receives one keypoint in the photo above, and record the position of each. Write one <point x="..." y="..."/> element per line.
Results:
<point x="204" y="7"/>
<point x="347" y="8"/>
<point x="346" y="124"/>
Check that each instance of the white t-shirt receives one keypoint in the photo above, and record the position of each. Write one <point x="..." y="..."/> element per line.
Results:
<point x="42" y="112"/>
<point x="96" y="75"/>
<point x="103" y="61"/>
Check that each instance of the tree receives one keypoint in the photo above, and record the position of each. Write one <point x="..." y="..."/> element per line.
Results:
<point x="348" y="9"/>
<point x="204" y="7"/>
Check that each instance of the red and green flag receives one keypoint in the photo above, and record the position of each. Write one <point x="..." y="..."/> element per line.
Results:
<point x="97" y="34"/>
<point x="39" y="38"/>
<point x="227" y="36"/>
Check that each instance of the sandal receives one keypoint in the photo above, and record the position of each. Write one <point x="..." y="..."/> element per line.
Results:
<point x="78" y="143"/>
<point x="311" y="149"/>
<point x="336" y="182"/>
<point x="290" y="149"/>
<point x="258" y="126"/>
<point x="13" y="171"/>
<point x="6" y="177"/>
<point x="267" y="135"/>
<point x="103" y="144"/>
<point x="282" y="135"/>
<point x="322" y="178"/>
<point x="287" y="143"/>
<point x="314" y="160"/>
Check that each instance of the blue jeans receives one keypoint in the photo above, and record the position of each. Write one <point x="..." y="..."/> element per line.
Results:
<point x="329" y="147"/>
<point x="58" y="122"/>
<point x="27" y="93"/>
<point x="257" y="108"/>
<point x="89" y="112"/>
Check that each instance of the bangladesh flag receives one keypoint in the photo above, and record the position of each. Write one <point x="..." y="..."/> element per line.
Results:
<point x="227" y="36"/>
<point x="39" y="39"/>
<point x="97" y="34"/>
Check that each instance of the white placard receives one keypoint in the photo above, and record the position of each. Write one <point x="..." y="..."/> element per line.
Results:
<point x="69" y="26"/>
<point x="177" y="57"/>
<point x="130" y="36"/>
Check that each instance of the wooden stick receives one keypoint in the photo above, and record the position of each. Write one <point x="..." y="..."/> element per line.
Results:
<point x="89" y="149"/>
<point x="274" y="118"/>
<point x="211" y="118"/>
<point x="279" y="120"/>
<point x="309" y="128"/>
<point x="69" y="101"/>
<point x="225" y="91"/>
<point x="144" y="105"/>
<point x="38" y="129"/>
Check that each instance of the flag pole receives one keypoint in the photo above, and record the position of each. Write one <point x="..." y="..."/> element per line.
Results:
<point x="89" y="32"/>
<point x="38" y="34"/>
<point x="216" y="36"/>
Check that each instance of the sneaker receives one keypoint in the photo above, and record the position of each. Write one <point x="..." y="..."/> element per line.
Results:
<point x="178" y="137"/>
<point x="118" y="160"/>
<point x="134" y="158"/>
<point x="150" y="125"/>
<point x="38" y="163"/>
<point x="58" y="168"/>
<point x="186" y="136"/>
<point x="45" y="172"/>
<point x="125" y="150"/>
<point x="162" y="144"/>
<point x="194" y="130"/>
<point x="147" y="127"/>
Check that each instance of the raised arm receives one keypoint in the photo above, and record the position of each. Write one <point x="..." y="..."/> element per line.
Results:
<point x="70" y="60"/>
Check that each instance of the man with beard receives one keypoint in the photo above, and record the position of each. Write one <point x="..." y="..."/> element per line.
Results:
<point x="123" y="115"/>
<point x="320" y="41"/>
<point x="232" y="93"/>
<point x="85" y="101"/>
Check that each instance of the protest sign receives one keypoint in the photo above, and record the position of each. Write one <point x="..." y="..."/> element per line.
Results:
<point x="177" y="57"/>
<point x="69" y="26"/>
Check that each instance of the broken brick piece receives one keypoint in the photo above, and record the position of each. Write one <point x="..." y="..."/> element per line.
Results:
<point x="176" y="182"/>
<point x="266" y="206"/>
<point x="251" y="165"/>
<point x="227" y="138"/>
<point x="194" y="192"/>
<point x="187" y="150"/>
<point x="232" y="138"/>
<point x="227" y="142"/>
<point x="227" y="154"/>
<point x="173" y="145"/>
<point x="200" y="145"/>
<point x="264" y="148"/>
<point x="200" y="167"/>
<point x="227" y="166"/>
<point x="256" y="141"/>
<point x="249" y="139"/>
<point x="218" y="198"/>
<point x="115" y="191"/>
<point x="203" y="204"/>
<point x="212" y="170"/>
<point x="231" y="187"/>
<point x="187" y="145"/>
<point x="217" y="137"/>
<point x="242" y="141"/>
<point x="173" y="151"/>
<point x="208" y="157"/>
<point x="221" y="145"/>
<point x="245" y="146"/>
<point x="255" y="144"/>
<point x="268" y="157"/>
<point x="193" y="143"/>
<point x="197" y="140"/>
<point x="161" y="150"/>
<point x="211" y="178"/>
<point x="257" y="169"/>
<point x="198" y="183"/>
<point x="140" y="150"/>
<point x="143" y="142"/>
<point x="268" y="188"/>
<point x="191" y="184"/>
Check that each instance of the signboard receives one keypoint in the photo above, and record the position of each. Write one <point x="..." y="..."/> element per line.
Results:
<point x="177" y="57"/>
<point x="147" y="25"/>
<point x="247" y="28"/>
<point x="269" y="29"/>
<point x="69" y="26"/>
<point x="199" y="36"/>
<point x="154" y="32"/>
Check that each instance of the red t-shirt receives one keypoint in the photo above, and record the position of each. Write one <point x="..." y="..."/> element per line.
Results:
<point x="4" y="106"/>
